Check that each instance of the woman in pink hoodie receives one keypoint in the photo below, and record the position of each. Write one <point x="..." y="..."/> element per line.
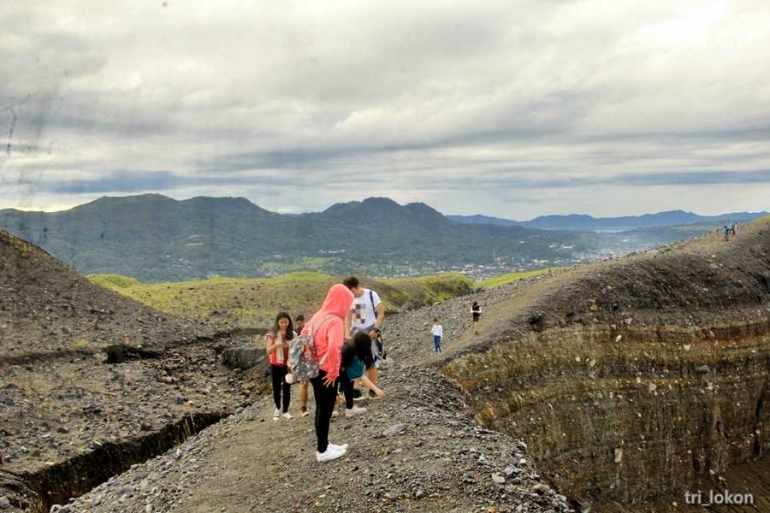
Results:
<point x="328" y="333"/>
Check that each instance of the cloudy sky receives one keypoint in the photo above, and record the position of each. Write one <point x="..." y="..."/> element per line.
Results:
<point x="515" y="108"/>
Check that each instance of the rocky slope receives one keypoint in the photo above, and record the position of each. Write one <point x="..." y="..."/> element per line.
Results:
<point x="46" y="308"/>
<point x="634" y="380"/>
<point x="74" y="401"/>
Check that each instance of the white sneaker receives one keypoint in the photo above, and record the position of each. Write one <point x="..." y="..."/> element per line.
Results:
<point x="338" y="448"/>
<point x="277" y="414"/>
<point x="329" y="455"/>
<point x="287" y="415"/>
<point x="355" y="410"/>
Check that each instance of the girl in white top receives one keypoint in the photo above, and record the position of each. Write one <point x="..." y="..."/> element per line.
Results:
<point x="438" y="334"/>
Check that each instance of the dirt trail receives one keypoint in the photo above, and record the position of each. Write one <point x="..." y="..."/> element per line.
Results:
<point x="440" y="458"/>
<point x="443" y="459"/>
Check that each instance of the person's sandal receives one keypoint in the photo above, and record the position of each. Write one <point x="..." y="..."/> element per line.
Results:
<point x="303" y="411"/>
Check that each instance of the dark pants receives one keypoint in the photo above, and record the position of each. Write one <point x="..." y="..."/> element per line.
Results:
<point x="325" y="397"/>
<point x="279" y="382"/>
<point x="346" y="384"/>
<point x="437" y="343"/>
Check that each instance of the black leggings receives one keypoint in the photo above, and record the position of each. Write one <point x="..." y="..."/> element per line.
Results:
<point x="325" y="397"/>
<point x="346" y="384"/>
<point x="279" y="382"/>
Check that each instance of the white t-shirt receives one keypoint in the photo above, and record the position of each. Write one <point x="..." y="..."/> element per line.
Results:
<point x="363" y="311"/>
<point x="437" y="330"/>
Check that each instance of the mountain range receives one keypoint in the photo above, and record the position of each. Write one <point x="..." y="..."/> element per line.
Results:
<point x="155" y="238"/>
<point x="580" y="222"/>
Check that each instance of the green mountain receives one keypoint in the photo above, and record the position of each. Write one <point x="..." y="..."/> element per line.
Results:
<point x="582" y="222"/>
<point x="155" y="238"/>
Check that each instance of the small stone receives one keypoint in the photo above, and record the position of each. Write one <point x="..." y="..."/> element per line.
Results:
<point x="540" y="488"/>
<point x="510" y="470"/>
<point x="703" y="369"/>
<point x="5" y="503"/>
<point x="498" y="479"/>
<point x="394" y="430"/>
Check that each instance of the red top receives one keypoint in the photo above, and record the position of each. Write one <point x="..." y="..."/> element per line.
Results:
<point x="328" y="333"/>
<point x="279" y="356"/>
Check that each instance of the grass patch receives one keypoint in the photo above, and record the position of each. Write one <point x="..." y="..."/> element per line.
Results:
<point x="254" y="302"/>
<point x="113" y="281"/>
<point x="428" y="290"/>
<point x="512" y="277"/>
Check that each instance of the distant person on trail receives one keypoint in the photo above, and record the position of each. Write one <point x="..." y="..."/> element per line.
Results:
<point x="328" y="329"/>
<point x="733" y="229"/>
<point x="366" y="314"/>
<point x="299" y="324"/>
<point x="356" y="359"/>
<point x="438" y="334"/>
<point x="277" y="346"/>
<point x="476" y="311"/>
<point x="726" y="229"/>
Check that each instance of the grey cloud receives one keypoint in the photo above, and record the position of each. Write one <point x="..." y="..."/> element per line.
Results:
<point x="127" y="181"/>
<point x="524" y="94"/>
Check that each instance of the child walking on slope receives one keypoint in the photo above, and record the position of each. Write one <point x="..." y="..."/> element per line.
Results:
<point x="438" y="334"/>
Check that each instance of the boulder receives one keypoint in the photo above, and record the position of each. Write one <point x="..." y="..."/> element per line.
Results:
<point x="242" y="357"/>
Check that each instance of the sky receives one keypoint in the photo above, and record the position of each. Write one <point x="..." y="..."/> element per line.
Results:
<point x="513" y="109"/>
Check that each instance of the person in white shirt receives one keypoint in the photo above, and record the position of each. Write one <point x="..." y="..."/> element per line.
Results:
<point x="366" y="314"/>
<point x="438" y="334"/>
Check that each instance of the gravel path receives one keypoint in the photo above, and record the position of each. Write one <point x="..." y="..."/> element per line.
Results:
<point x="418" y="449"/>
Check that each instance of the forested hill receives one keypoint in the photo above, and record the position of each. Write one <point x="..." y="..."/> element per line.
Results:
<point x="581" y="222"/>
<point x="156" y="238"/>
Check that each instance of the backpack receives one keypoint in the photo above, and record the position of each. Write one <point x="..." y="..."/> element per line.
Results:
<point x="303" y="363"/>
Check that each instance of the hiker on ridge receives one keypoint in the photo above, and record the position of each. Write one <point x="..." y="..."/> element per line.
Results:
<point x="356" y="358"/>
<point x="277" y="346"/>
<point x="299" y="324"/>
<point x="476" y="311"/>
<point x="328" y="329"/>
<point x="366" y="314"/>
<point x="438" y="334"/>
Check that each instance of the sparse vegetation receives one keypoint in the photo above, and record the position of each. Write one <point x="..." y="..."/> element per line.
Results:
<point x="511" y="277"/>
<point x="25" y="249"/>
<point x="428" y="290"/>
<point x="253" y="302"/>
<point x="112" y="281"/>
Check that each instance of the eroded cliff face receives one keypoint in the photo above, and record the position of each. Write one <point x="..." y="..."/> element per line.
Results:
<point x="638" y="379"/>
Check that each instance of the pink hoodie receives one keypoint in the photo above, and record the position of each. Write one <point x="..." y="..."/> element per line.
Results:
<point x="329" y="335"/>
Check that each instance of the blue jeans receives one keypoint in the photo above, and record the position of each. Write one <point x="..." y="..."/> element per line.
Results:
<point x="437" y="343"/>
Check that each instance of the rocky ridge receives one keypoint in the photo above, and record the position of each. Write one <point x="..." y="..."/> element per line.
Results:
<point x="604" y="406"/>
<point x="48" y="310"/>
